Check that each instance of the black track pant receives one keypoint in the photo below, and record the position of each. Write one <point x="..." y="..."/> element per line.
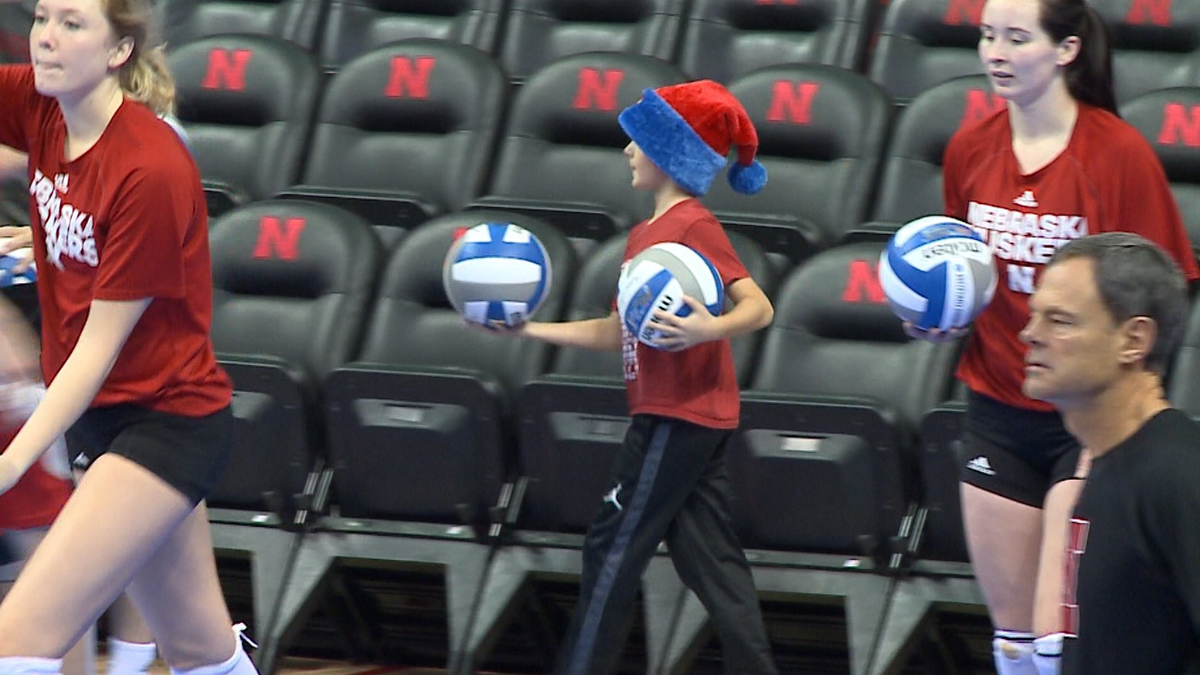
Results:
<point x="670" y="483"/>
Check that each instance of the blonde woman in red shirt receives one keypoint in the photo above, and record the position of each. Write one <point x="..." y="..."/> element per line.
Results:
<point x="120" y="238"/>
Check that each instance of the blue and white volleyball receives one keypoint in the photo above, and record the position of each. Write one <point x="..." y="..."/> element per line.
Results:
<point x="657" y="279"/>
<point x="8" y="266"/>
<point x="497" y="272"/>
<point x="937" y="272"/>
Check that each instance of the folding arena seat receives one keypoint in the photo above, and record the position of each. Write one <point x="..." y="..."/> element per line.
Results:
<point x="1156" y="44"/>
<point x="419" y="422"/>
<point x="540" y="32"/>
<point x="292" y="20"/>
<point x="925" y="42"/>
<point x="291" y="285"/>
<point x="821" y="132"/>
<point x="1183" y="386"/>
<point x="824" y="460"/>
<point x="573" y="418"/>
<point x="247" y="102"/>
<point x="561" y="152"/>
<point x="292" y="282"/>
<point x="406" y="132"/>
<point x="910" y="185"/>
<point x="16" y="18"/>
<point x="1170" y="120"/>
<point x="725" y="39"/>
<point x="355" y="27"/>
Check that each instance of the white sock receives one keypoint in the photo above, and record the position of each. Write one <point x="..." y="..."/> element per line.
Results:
<point x="29" y="665"/>
<point x="238" y="664"/>
<point x="129" y="658"/>
<point x="1013" y="653"/>
<point x="1047" y="654"/>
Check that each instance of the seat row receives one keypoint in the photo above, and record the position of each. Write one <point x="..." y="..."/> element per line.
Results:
<point x="344" y="354"/>
<point x="425" y="127"/>
<point x="906" y="45"/>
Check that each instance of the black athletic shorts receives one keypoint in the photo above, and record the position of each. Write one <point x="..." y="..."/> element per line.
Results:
<point x="1015" y="453"/>
<point x="189" y="453"/>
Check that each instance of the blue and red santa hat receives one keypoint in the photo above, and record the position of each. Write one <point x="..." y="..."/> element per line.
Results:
<point x="687" y="131"/>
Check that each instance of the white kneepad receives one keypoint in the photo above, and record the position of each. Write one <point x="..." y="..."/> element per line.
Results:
<point x="1013" y="653"/>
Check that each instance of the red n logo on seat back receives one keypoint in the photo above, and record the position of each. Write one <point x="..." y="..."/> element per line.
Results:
<point x="598" y="89"/>
<point x="227" y="69"/>
<point x="963" y="12"/>
<point x="1157" y="12"/>
<point x="794" y="98"/>
<point x="1181" y="124"/>
<point x="862" y="283"/>
<point x="278" y="240"/>
<point x="409" y="77"/>
<point x="978" y="104"/>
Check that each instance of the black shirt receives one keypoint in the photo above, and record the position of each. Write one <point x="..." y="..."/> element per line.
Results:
<point x="1133" y="557"/>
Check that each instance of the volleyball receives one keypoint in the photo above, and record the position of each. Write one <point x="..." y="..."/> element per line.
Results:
<point x="937" y="272"/>
<point x="8" y="264"/>
<point x="496" y="272"/>
<point x="657" y="279"/>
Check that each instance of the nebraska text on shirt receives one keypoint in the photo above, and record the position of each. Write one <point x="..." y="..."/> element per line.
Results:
<point x="68" y="230"/>
<point x="1022" y="236"/>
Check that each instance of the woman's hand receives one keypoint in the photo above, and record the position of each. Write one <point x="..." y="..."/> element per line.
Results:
<point x="15" y="238"/>
<point x="934" y="334"/>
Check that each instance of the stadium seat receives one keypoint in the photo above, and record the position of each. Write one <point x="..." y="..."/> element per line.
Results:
<point x="910" y="185"/>
<point x="16" y="18"/>
<point x="405" y="132"/>
<point x="925" y="42"/>
<point x="247" y="102"/>
<point x="561" y="153"/>
<point x="1183" y="387"/>
<point x="573" y="418"/>
<point x="420" y="422"/>
<point x="1156" y="44"/>
<point x="293" y="20"/>
<point x="821" y="132"/>
<point x="726" y="39"/>
<point x="355" y="27"/>
<point x="1170" y="121"/>
<point x="291" y="285"/>
<point x="825" y="457"/>
<point x="540" y="32"/>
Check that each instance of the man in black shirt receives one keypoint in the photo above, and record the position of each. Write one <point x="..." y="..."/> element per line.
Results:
<point x="1108" y="313"/>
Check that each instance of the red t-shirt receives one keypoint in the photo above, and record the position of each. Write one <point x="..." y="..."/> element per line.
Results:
<point x="1107" y="179"/>
<point x="126" y="220"/>
<point x="36" y="499"/>
<point x="697" y="384"/>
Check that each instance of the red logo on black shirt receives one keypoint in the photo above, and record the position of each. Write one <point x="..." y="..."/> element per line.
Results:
<point x="1076" y="544"/>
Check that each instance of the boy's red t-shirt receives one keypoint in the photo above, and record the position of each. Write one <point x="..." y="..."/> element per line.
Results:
<point x="697" y="384"/>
